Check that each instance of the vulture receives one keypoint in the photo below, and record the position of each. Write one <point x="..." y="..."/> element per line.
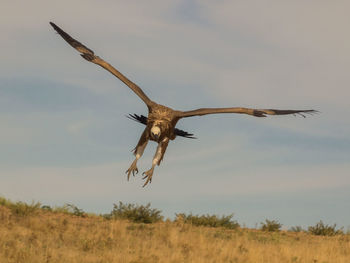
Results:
<point x="161" y="120"/>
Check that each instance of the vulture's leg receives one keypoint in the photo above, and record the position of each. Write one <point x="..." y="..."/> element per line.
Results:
<point x="139" y="149"/>
<point x="156" y="160"/>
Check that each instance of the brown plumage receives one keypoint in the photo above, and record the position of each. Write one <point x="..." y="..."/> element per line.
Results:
<point x="161" y="120"/>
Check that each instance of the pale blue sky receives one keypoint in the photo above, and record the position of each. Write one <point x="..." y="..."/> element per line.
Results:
<point x="64" y="136"/>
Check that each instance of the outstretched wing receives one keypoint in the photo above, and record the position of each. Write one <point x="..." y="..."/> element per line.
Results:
<point x="253" y="112"/>
<point x="89" y="55"/>
<point x="143" y="119"/>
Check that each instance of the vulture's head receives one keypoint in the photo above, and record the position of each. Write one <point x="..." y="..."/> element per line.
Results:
<point x="155" y="132"/>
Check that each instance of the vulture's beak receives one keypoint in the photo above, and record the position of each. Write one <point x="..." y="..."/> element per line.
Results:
<point x="155" y="136"/>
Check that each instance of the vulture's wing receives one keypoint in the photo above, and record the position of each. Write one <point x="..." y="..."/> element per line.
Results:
<point x="143" y="119"/>
<point x="89" y="55"/>
<point x="253" y="112"/>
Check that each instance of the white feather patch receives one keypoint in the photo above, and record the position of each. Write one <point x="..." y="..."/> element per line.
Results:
<point x="155" y="130"/>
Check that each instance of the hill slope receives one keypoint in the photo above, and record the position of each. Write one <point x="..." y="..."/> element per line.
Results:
<point x="44" y="236"/>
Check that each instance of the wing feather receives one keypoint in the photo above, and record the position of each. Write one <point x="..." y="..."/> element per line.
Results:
<point x="239" y="110"/>
<point x="90" y="56"/>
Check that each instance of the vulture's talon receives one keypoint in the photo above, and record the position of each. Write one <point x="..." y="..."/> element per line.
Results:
<point x="132" y="169"/>
<point x="148" y="176"/>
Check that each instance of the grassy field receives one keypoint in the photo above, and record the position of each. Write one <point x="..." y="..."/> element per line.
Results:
<point x="30" y="234"/>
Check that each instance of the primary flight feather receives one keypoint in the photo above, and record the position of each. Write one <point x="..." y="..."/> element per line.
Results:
<point x="161" y="120"/>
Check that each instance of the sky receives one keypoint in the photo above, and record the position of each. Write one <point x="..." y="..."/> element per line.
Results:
<point x="64" y="137"/>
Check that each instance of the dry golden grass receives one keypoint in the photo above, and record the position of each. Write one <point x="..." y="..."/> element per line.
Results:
<point x="54" y="237"/>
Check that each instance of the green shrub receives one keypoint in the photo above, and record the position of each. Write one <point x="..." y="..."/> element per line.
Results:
<point x="270" y="225"/>
<point x="208" y="220"/>
<point x="320" y="229"/>
<point x="296" y="229"/>
<point x="46" y="207"/>
<point x="65" y="209"/>
<point x="20" y="208"/>
<point x="5" y="202"/>
<point x="135" y="213"/>
<point x="72" y="209"/>
<point x="24" y="209"/>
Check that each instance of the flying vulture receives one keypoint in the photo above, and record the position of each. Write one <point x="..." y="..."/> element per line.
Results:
<point x="161" y="120"/>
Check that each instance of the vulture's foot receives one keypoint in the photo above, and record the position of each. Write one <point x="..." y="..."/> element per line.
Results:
<point x="148" y="176"/>
<point x="132" y="169"/>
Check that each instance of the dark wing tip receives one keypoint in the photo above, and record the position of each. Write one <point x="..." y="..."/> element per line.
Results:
<point x="53" y="25"/>
<point x="287" y="112"/>
<point x="57" y="28"/>
<point x="74" y="43"/>
<point x="303" y="112"/>
<point x="312" y="111"/>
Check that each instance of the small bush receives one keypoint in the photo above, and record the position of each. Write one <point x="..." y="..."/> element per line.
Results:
<point x="72" y="209"/>
<point x="24" y="209"/>
<point x="208" y="220"/>
<point x="296" y="229"/>
<point x="320" y="229"/>
<point x="270" y="225"/>
<point x="20" y="208"/>
<point x="135" y="213"/>
<point x="5" y="202"/>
